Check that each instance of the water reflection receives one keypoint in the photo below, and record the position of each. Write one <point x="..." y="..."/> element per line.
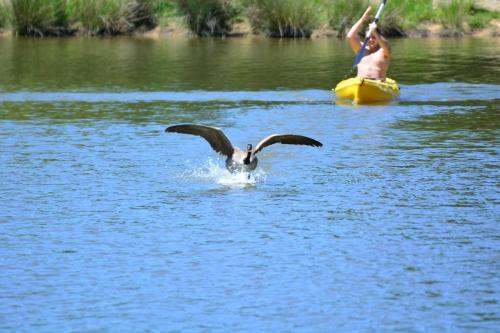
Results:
<point x="228" y="65"/>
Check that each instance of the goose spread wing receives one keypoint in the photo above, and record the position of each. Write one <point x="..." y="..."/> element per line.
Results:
<point x="290" y="139"/>
<point x="215" y="137"/>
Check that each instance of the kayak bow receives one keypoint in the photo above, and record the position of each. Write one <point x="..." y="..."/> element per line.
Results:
<point x="365" y="91"/>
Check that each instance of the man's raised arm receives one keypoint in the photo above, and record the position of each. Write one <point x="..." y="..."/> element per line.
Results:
<point x="352" y="35"/>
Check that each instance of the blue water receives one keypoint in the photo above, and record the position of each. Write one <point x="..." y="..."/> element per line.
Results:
<point x="109" y="224"/>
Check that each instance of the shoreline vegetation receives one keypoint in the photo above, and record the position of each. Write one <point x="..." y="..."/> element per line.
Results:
<point x="229" y="18"/>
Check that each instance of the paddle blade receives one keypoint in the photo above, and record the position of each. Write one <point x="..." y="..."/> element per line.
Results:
<point x="361" y="53"/>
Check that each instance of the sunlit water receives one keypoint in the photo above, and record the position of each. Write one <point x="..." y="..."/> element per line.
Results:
<point x="109" y="224"/>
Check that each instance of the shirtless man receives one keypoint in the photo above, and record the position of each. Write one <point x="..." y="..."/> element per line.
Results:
<point x="375" y="61"/>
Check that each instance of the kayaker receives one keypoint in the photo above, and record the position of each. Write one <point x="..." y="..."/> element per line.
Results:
<point x="375" y="62"/>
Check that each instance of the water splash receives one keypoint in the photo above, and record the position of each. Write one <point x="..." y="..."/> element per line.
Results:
<point x="215" y="172"/>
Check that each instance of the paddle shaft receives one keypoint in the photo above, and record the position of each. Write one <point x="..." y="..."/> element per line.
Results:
<point x="361" y="51"/>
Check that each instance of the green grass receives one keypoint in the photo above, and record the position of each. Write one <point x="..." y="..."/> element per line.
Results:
<point x="165" y="11"/>
<point x="284" y="18"/>
<point x="480" y="18"/>
<point x="403" y="15"/>
<point x="457" y="13"/>
<point x="96" y="17"/>
<point x="39" y="17"/>
<point x="112" y="17"/>
<point x="344" y="13"/>
<point x="454" y="15"/>
<point x="208" y="17"/>
<point x="5" y="12"/>
<point x="275" y="18"/>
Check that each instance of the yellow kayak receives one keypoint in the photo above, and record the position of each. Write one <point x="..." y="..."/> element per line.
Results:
<point x="365" y="91"/>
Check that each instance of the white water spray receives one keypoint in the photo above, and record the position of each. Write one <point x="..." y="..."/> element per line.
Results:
<point x="216" y="172"/>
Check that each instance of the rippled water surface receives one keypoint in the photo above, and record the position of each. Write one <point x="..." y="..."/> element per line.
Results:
<point x="109" y="224"/>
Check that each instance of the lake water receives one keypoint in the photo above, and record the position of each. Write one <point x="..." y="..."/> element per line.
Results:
<point x="109" y="224"/>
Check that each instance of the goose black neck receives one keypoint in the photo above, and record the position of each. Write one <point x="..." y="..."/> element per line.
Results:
<point x="247" y="159"/>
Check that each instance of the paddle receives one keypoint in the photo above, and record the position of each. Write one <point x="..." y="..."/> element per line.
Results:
<point x="361" y="51"/>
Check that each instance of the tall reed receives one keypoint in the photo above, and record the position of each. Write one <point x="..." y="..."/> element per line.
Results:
<point x="142" y="13"/>
<point x="98" y="16"/>
<point x="39" y="17"/>
<point x="284" y="18"/>
<point x="276" y="18"/>
<point x="454" y="15"/>
<point x="112" y="17"/>
<point x="342" y="14"/>
<point x="165" y="10"/>
<point x="208" y="17"/>
<point x="5" y="11"/>
<point x="403" y="15"/>
<point x="406" y="15"/>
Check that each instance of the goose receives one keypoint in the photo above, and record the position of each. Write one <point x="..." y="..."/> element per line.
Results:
<point x="238" y="160"/>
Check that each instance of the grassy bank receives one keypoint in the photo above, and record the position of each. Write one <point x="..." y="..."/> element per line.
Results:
<point x="275" y="18"/>
<point x="4" y="13"/>
<point x="69" y="17"/>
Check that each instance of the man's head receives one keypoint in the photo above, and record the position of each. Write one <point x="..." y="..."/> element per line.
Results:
<point x="372" y="41"/>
